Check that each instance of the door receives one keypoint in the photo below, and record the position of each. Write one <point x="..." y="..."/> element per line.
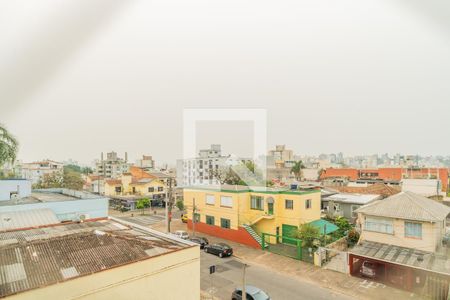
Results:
<point x="270" y="208"/>
<point x="288" y="231"/>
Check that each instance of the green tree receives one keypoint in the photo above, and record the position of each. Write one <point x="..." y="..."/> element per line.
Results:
<point x="8" y="146"/>
<point x="180" y="205"/>
<point x="72" y="180"/>
<point x="142" y="204"/>
<point x="297" y="169"/>
<point x="67" y="179"/>
<point x="343" y="224"/>
<point x="307" y="233"/>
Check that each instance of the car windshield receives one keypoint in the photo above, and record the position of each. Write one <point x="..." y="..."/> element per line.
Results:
<point x="260" y="296"/>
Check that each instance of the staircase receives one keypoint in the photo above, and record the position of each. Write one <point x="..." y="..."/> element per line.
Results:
<point x="253" y="233"/>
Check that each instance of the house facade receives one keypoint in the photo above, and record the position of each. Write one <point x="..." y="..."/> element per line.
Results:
<point x="241" y="214"/>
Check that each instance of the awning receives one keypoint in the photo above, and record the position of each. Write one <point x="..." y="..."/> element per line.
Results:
<point x="324" y="226"/>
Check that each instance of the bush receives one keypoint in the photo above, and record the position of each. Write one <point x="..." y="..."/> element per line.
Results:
<point x="180" y="204"/>
<point x="352" y="237"/>
<point x="307" y="233"/>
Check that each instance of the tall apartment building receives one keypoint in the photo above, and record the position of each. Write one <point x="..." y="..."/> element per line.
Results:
<point x="113" y="166"/>
<point x="200" y="170"/>
<point x="147" y="163"/>
<point x="280" y="157"/>
<point x="35" y="171"/>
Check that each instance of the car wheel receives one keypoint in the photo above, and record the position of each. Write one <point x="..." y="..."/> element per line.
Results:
<point x="206" y="250"/>
<point x="220" y="254"/>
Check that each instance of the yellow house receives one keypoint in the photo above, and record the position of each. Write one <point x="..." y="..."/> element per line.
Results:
<point x="242" y="213"/>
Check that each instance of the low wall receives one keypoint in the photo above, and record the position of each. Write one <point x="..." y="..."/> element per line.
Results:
<point x="340" y="245"/>
<point x="240" y="235"/>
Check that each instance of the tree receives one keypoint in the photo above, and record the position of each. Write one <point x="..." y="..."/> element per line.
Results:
<point x="142" y="204"/>
<point x="67" y="179"/>
<point x="343" y="224"/>
<point x="180" y="205"/>
<point x="72" y="180"/>
<point x="297" y="169"/>
<point x="307" y="233"/>
<point x="8" y="146"/>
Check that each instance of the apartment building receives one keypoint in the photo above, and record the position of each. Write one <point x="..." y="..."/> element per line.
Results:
<point x="146" y="162"/>
<point x="202" y="169"/>
<point x="241" y="213"/>
<point x="35" y="171"/>
<point x="111" y="167"/>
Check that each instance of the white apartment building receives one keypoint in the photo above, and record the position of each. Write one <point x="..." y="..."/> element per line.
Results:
<point x="113" y="166"/>
<point x="146" y="163"/>
<point x="35" y="171"/>
<point x="200" y="170"/>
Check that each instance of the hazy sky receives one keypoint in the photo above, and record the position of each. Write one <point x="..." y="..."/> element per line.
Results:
<point x="81" y="77"/>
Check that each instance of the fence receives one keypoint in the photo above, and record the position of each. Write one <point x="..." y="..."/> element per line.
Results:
<point x="282" y="245"/>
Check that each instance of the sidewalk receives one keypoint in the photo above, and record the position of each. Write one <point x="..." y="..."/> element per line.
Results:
<point x="345" y="284"/>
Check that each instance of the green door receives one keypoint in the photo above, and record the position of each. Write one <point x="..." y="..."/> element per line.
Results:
<point x="288" y="231"/>
<point x="270" y="208"/>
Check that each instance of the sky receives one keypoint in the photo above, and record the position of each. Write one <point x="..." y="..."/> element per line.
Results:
<point x="359" y="77"/>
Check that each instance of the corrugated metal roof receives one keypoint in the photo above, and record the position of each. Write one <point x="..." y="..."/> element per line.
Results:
<point x="39" y="257"/>
<point x="409" y="206"/>
<point x="27" y="218"/>
<point x="353" y="198"/>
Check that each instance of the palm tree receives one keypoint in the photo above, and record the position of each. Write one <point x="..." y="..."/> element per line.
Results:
<point x="297" y="169"/>
<point x="8" y="146"/>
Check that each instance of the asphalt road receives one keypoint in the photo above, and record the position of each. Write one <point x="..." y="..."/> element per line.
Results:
<point x="228" y="276"/>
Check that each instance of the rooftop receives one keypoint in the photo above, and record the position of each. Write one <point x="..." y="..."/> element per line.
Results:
<point x="404" y="256"/>
<point x="409" y="206"/>
<point x="50" y="195"/>
<point x="226" y="188"/>
<point x="39" y="257"/>
<point x="378" y="188"/>
<point x="352" y="198"/>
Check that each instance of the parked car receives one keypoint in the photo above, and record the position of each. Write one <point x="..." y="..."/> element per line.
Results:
<point x="181" y="234"/>
<point x="253" y="293"/>
<point x="200" y="240"/>
<point x="369" y="269"/>
<point x="184" y="218"/>
<point x="220" y="249"/>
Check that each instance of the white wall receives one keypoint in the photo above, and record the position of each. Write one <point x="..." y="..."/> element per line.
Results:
<point x="23" y="187"/>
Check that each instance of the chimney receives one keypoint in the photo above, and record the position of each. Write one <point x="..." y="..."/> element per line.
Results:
<point x="126" y="156"/>
<point x="101" y="156"/>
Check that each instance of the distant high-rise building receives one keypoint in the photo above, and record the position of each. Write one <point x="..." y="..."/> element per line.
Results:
<point x="111" y="167"/>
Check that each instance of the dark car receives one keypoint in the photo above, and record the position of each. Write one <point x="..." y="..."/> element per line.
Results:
<point x="200" y="240"/>
<point x="219" y="249"/>
<point x="253" y="293"/>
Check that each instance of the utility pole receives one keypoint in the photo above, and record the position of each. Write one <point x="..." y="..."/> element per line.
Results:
<point x="244" y="292"/>
<point x="168" y="205"/>
<point x="193" y="216"/>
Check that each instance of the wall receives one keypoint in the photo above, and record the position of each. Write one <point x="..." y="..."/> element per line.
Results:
<point x="68" y="210"/>
<point x="21" y="185"/>
<point x="174" y="275"/>
<point x="431" y="235"/>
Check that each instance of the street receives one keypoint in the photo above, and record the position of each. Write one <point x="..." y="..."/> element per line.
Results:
<point x="229" y="275"/>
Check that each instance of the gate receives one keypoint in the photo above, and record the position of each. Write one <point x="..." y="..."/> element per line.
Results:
<point x="333" y="259"/>
<point x="290" y="247"/>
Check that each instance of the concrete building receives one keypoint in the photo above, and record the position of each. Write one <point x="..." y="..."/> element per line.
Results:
<point x="202" y="169"/>
<point x="103" y="259"/>
<point x="11" y="189"/>
<point x="35" y="171"/>
<point x="280" y="157"/>
<point x="111" y="167"/>
<point x="146" y="163"/>
<point x="424" y="187"/>
<point x="242" y="214"/>
<point x="66" y="205"/>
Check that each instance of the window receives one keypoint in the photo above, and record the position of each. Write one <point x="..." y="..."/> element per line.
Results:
<point x="196" y="218"/>
<point x="379" y="225"/>
<point x="210" y="220"/>
<point x="210" y="199"/>
<point x="118" y="189"/>
<point x="413" y="230"/>
<point x="289" y="204"/>
<point x="226" y="201"/>
<point x="151" y="189"/>
<point x="160" y="188"/>
<point x="257" y="202"/>
<point x="308" y="204"/>
<point x="224" y="223"/>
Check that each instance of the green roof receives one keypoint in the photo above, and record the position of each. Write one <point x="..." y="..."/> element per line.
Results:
<point x="324" y="225"/>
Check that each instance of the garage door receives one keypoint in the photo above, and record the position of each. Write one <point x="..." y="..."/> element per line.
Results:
<point x="288" y="231"/>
